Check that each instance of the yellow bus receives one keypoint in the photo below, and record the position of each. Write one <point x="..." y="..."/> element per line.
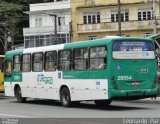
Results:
<point x="1" y="73"/>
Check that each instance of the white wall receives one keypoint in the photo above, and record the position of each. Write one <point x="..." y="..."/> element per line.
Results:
<point x="50" y="6"/>
<point x="42" y="10"/>
<point x="49" y="20"/>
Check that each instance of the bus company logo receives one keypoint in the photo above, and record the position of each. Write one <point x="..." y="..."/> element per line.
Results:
<point x="43" y="79"/>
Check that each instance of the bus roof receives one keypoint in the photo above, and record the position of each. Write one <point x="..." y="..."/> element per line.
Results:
<point x="80" y="44"/>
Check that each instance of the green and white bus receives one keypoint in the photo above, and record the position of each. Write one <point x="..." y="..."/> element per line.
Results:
<point x="100" y="70"/>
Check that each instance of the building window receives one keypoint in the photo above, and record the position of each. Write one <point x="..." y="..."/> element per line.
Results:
<point x="145" y="15"/>
<point x="26" y="62"/>
<point x="45" y="40"/>
<point x="50" y="61"/>
<point x="64" y="62"/>
<point x="16" y="63"/>
<point x="26" y="41"/>
<point x="147" y="34"/>
<point x="80" y="59"/>
<point x="38" y="22"/>
<point x="91" y="18"/>
<point x="37" y="62"/>
<point x="124" y="16"/>
<point x="92" y="37"/>
<point x="98" y="59"/>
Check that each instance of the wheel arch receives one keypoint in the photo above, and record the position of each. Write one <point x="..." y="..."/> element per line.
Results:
<point x="61" y="87"/>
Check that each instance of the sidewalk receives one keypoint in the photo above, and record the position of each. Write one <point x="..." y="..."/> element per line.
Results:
<point x="149" y="100"/>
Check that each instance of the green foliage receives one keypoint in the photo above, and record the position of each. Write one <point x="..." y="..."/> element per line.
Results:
<point x="11" y="13"/>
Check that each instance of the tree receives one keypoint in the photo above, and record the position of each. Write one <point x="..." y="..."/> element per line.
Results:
<point x="11" y="14"/>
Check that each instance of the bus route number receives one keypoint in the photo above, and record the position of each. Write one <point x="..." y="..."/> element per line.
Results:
<point x="126" y="78"/>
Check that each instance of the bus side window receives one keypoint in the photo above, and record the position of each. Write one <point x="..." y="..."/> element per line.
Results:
<point x="80" y="56"/>
<point x="8" y="67"/>
<point x="16" y="63"/>
<point x="26" y="62"/>
<point x="37" y="62"/>
<point x="2" y="67"/>
<point x="50" y="61"/>
<point x="64" y="60"/>
<point x="98" y="57"/>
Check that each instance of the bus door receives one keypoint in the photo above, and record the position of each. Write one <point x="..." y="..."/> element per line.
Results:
<point x="98" y="71"/>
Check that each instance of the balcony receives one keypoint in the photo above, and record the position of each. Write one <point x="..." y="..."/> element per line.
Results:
<point x="58" y="5"/>
<point x="45" y="30"/>
<point x="113" y="26"/>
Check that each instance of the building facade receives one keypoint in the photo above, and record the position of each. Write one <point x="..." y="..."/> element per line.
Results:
<point x="93" y="19"/>
<point x="49" y="23"/>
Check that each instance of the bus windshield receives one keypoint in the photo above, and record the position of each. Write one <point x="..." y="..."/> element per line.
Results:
<point x="1" y="64"/>
<point x="133" y="49"/>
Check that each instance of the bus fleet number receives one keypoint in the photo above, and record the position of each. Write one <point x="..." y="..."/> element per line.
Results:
<point x="124" y="78"/>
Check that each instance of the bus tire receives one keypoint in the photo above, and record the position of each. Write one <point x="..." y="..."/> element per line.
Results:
<point x="102" y="103"/>
<point x="18" y="95"/>
<point x="65" y="97"/>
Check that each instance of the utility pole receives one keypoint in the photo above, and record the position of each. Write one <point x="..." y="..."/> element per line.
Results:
<point x="55" y="24"/>
<point x="70" y="32"/>
<point x="154" y="17"/>
<point x="119" y="18"/>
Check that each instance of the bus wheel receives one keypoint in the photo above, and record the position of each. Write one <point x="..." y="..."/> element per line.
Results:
<point x="102" y="103"/>
<point x="65" y="97"/>
<point x="19" y="97"/>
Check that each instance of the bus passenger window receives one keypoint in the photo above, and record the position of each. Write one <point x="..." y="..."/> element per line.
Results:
<point x="64" y="60"/>
<point x="16" y="63"/>
<point x="50" y="61"/>
<point x="1" y="64"/>
<point x="80" y="59"/>
<point x="8" y="68"/>
<point x="37" y="62"/>
<point x="98" y="58"/>
<point x="26" y="62"/>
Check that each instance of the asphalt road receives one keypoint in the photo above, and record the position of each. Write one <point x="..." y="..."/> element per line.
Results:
<point x="52" y="110"/>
